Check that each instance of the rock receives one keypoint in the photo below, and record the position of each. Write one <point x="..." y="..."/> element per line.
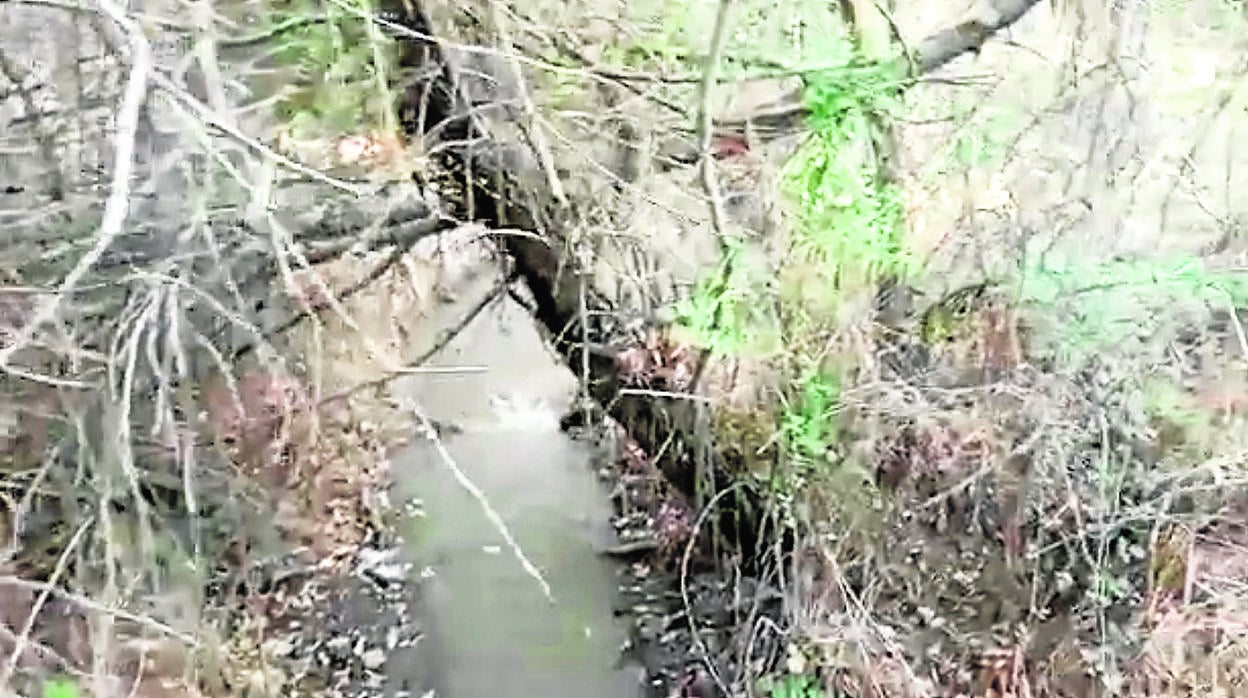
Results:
<point x="389" y="573"/>
<point x="373" y="659"/>
<point x="381" y="565"/>
<point x="371" y="557"/>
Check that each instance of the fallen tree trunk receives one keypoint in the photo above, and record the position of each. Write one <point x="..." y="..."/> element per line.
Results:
<point x="504" y="186"/>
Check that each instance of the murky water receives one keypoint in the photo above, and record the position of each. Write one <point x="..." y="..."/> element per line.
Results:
<point x="490" y="629"/>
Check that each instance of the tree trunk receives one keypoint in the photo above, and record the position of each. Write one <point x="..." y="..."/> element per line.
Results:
<point x="507" y="189"/>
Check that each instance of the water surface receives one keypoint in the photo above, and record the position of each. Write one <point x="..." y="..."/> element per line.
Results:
<point x="491" y="630"/>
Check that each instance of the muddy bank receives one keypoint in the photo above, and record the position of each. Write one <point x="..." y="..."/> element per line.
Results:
<point x="339" y="634"/>
<point x="728" y="618"/>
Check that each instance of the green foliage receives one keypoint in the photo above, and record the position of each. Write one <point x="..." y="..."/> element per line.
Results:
<point x="1163" y="399"/>
<point x="341" y="63"/>
<point x="810" y="424"/>
<point x="60" y="688"/>
<point x="722" y="314"/>
<point x="1165" y="404"/>
<point x="848" y="230"/>
<point x="792" y="686"/>
<point x="1123" y="304"/>
<point x="849" y="218"/>
<point x="847" y="233"/>
<point x="846" y="98"/>
<point x="951" y="317"/>
<point x="1110" y="588"/>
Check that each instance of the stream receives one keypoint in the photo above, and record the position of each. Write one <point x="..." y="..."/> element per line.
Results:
<point x="489" y="629"/>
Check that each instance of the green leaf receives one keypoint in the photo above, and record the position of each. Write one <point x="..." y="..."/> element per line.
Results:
<point x="60" y="688"/>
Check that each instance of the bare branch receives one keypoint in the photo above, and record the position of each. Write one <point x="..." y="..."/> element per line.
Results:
<point x="945" y="45"/>
<point x="118" y="204"/>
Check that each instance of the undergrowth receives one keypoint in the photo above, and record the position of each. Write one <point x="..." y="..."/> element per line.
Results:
<point x="846" y="236"/>
<point x="141" y="499"/>
<point x="1039" y="435"/>
<point x="341" y="70"/>
<point x="1064" y="441"/>
<point x="60" y="688"/>
<point x="1088" y="307"/>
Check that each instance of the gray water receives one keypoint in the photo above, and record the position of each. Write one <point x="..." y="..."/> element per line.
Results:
<point x="490" y="630"/>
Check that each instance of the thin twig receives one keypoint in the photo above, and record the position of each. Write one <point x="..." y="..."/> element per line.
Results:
<point x="430" y="432"/>
<point x="1240" y="335"/>
<point x="451" y="333"/>
<point x="698" y="643"/>
<point x="709" y="178"/>
<point x="97" y="607"/>
<point x="706" y="115"/>
<point x="9" y="549"/>
<point x="416" y="366"/>
<point x="210" y="117"/>
<point x="61" y="564"/>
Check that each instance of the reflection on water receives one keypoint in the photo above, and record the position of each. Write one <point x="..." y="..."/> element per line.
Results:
<point x="492" y="631"/>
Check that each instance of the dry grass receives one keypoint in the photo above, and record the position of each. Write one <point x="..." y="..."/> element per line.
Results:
<point x="153" y="463"/>
<point x="309" y="455"/>
<point x="1027" y="537"/>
